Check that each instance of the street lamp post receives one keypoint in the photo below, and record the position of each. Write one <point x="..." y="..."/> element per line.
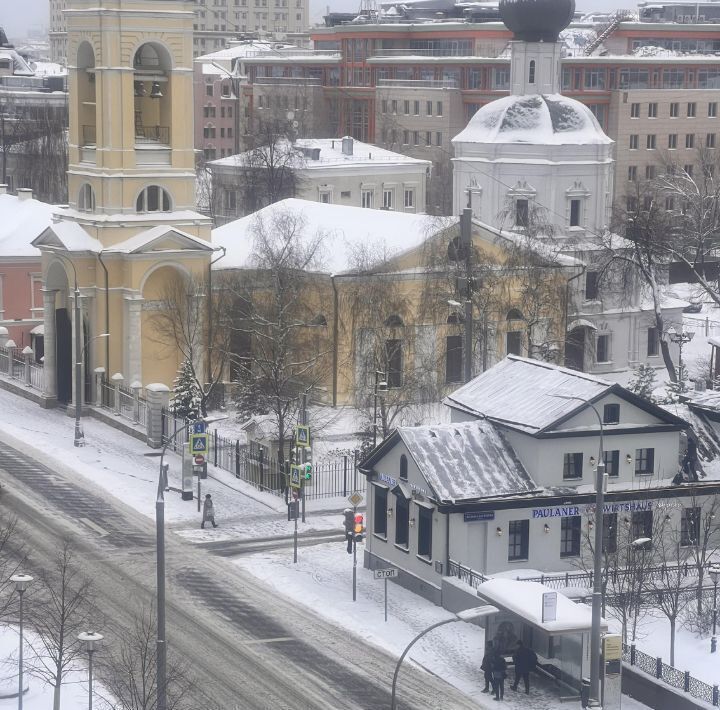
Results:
<point x="21" y="584"/>
<point x="380" y="386"/>
<point x="89" y="639"/>
<point x="466" y="615"/>
<point x="680" y="339"/>
<point x="597" y="557"/>
<point x="714" y="573"/>
<point x="161" y="645"/>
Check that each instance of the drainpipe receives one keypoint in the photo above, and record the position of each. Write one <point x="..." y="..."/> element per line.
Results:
<point x="335" y="342"/>
<point x="208" y="364"/>
<point x="447" y="543"/>
<point x="107" y="315"/>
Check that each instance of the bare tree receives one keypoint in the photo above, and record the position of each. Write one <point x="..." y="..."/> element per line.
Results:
<point x="13" y="555"/>
<point x="62" y="607"/>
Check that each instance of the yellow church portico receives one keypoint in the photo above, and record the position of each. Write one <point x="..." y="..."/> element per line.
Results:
<point x="130" y="226"/>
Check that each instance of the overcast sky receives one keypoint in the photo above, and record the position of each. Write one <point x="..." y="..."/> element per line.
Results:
<point x="28" y="14"/>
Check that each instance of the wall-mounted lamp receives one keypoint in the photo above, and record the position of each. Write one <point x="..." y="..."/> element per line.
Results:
<point x="546" y="528"/>
<point x="591" y="524"/>
<point x="389" y="512"/>
<point x="498" y="531"/>
<point x="628" y="458"/>
<point x="412" y="522"/>
<point x="592" y="461"/>
<point x="626" y="521"/>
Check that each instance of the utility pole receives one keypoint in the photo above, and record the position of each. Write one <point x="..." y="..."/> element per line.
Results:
<point x="466" y="245"/>
<point x="303" y="421"/>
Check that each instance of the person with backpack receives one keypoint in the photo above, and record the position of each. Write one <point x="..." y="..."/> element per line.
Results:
<point x="499" y="672"/>
<point x="525" y="661"/>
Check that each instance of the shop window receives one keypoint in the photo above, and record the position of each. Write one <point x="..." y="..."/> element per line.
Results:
<point x="518" y="540"/>
<point x="402" y="520"/>
<point x="424" y="526"/>
<point x="609" y="543"/>
<point x="689" y="527"/>
<point x="380" y="511"/>
<point x="612" y="462"/>
<point x="570" y="536"/>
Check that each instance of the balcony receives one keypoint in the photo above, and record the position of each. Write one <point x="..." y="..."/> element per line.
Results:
<point x="289" y="80"/>
<point x="418" y="83"/>
<point x="152" y="145"/>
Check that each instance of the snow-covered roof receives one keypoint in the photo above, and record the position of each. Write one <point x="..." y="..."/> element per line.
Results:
<point x="159" y="238"/>
<point x="466" y="461"/>
<point x="21" y="221"/>
<point x="526" y="600"/>
<point x="246" y="49"/>
<point x="522" y="393"/>
<point x="537" y="119"/>
<point x="331" y="155"/>
<point x="344" y="232"/>
<point x="69" y="236"/>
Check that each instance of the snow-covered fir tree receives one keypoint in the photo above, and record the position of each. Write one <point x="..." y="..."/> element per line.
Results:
<point x="674" y="390"/>
<point x="643" y="382"/>
<point x="185" y="402"/>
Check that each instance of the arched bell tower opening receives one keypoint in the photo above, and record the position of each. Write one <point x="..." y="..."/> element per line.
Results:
<point x="57" y="281"/>
<point x="152" y="89"/>
<point x="85" y="96"/>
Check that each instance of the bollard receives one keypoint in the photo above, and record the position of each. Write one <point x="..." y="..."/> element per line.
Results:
<point x="27" y="354"/>
<point x="117" y="380"/>
<point x="136" y="388"/>
<point x="99" y="379"/>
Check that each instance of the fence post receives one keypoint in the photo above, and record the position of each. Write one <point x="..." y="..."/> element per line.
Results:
<point x="658" y="667"/>
<point x="27" y="354"/>
<point x="10" y="345"/>
<point x="716" y="696"/>
<point x="215" y="446"/>
<point x="262" y="468"/>
<point x="136" y="387"/>
<point x="686" y="682"/>
<point x="632" y="654"/>
<point x="158" y="398"/>
<point x="99" y="378"/>
<point x="117" y="379"/>
<point x="237" y="458"/>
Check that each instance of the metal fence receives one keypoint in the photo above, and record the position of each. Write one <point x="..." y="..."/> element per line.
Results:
<point x="124" y="401"/>
<point x="37" y="375"/>
<point x="682" y="680"/>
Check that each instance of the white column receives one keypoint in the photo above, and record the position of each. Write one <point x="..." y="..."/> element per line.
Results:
<point x="49" y="339"/>
<point x="133" y="337"/>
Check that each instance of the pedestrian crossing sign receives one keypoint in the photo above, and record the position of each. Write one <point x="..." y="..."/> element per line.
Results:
<point x="199" y="444"/>
<point x="295" y="476"/>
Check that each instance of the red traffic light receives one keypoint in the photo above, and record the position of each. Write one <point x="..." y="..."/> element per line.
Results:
<point x="359" y="524"/>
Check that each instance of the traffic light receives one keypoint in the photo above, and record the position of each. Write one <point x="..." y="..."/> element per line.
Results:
<point x="308" y="463"/>
<point x="349" y="523"/>
<point x="359" y="526"/>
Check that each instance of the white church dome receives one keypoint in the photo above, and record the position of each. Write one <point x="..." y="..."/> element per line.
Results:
<point x="537" y="119"/>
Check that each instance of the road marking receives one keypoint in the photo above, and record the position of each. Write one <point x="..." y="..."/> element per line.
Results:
<point x="94" y="526"/>
<point x="275" y="640"/>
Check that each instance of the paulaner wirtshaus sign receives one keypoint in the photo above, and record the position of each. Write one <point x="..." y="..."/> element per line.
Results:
<point x="566" y="511"/>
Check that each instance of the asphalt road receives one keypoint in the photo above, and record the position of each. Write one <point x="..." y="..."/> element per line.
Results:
<point x="248" y="648"/>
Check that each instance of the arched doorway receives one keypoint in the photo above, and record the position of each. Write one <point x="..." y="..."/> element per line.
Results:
<point x="576" y="344"/>
<point x="57" y="281"/>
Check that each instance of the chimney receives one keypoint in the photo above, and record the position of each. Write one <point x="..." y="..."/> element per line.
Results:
<point x="3" y="189"/>
<point x="347" y="145"/>
<point x="24" y="193"/>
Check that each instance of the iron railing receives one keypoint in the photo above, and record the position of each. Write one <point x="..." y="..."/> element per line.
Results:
<point x="154" y="134"/>
<point x="37" y="375"/>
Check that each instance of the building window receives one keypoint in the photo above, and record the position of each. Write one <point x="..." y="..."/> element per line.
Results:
<point x="634" y="140"/>
<point x="409" y="198"/>
<point x="209" y="90"/>
<point x="574" y="213"/>
<point x="644" y="462"/>
<point x="325" y="197"/>
<point x="416" y="137"/>
<point x="366" y="198"/>
<point x="674" y="109"/>
<point x="632" y="173"/>
<point x="649" y="172"/>
<point x="428" y="108"/>
<point x="672" y="141"/>
<point x="86" y="198"/>
<point x="612" y="462"/>
<point x="710" y="140"/>
<point x="602" y="348"/>
<point x="522" y="213"/>
<point x="642" y="524"/>
<point x="388" y="199"/>
<point x="424" y="540"/>
<point x="518" y="540"/>
<point x="402" y="520"/>
<point x="438" y="138"/>
<point x="669" y="206"/>
<point x="689" y="170"/>
<point x="712" y="109"/>
<point x="153" y="199"/>
<point x="634" y="110"/>
<point x="403" y="468"/>
<point x="428" y="138"/>
<point x="689" y="140"/>
<point x="439" y="108"/>
<point x="691" y="109"/>
<point x="653" y="340"/>
<point x="689" y="527"/>
<point x="572" y="466"/>
<point x="611" y="414"/>
<point x="393" y="359"/>
<point x="384" y="106"/>
<point x="652" y="110"/>
<point x="591" y="285"/>
<point x="380" y="511"/>
<point x="453" y="359"/>
<point x="406" y="106"/>
<point x="513" y="342"/>
<point x="406" y="137"/>
<point x="609" y="543"/>
<point x="531" y="72"/>
<point x="650" y="142"/>
<point x="416" y="108"/>
<point x="393" y="104"/>
<point x="570" y="536"/>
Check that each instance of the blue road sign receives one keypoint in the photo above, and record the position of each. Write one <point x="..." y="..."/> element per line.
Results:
<point x="199" y="444"/>
<point x="198" y="427"/>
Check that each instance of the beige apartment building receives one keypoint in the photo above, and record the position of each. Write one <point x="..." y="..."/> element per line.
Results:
<point x="216" y="22"/>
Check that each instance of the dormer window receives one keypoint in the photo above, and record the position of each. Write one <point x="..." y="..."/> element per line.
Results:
<point x="403" y="468"/>
<point x="611" y="414"/>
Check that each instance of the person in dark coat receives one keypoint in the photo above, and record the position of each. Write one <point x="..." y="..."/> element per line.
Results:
<point x="525" y="661"/>
<point x="499" y="671"/>
<point x="689" y="462"/>
<point x="208" y="512"/>
<point x="486" y="666"/>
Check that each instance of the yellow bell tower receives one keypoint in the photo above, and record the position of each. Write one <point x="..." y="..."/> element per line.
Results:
<point x="131" y="226"/>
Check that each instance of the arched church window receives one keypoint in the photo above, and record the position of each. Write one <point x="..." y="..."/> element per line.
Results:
<point x="86" y="198"/>
<point x="153" y="199"/>
<point x="531" y="72"/>
<point x="394" y="321"/>
<point x="514" y="314"/>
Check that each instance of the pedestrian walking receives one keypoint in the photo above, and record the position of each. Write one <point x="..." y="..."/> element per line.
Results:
<point x="525" y="661"/>
<point x="486" y="666"/>
<point x="499" y="672"/>
<point x="208" y="512"/>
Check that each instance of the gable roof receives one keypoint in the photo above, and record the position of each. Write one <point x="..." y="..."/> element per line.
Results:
<point x="21" y="220"/>
<point x="533" y="396"/>
<point x="160" y="238"/>
<point x="69" y="236"/>
<point x="461" y="462"/>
